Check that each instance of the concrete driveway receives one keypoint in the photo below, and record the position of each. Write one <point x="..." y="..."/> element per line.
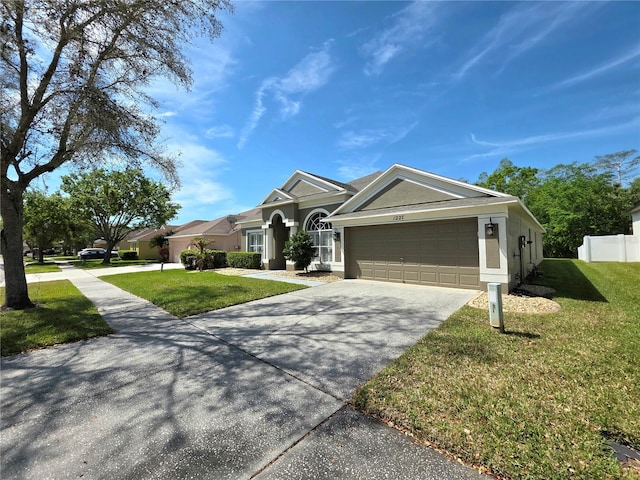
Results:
<point x="252" y="391"/>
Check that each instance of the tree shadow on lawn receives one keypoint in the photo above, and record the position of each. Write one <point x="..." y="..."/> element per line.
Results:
<point x="522" y="334"/>
<point x="569" y="282"/>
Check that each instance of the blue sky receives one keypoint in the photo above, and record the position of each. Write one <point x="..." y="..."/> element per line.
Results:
<point x="343" y="89"/>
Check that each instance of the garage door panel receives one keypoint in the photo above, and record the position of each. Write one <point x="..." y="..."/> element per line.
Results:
<point x="395" y="275"/>
<point x="469" y="280"/>
<point x="430" y="253"/>
<point x="448" y="279"/>
<point x="412" y="276"/>
<point x="429" y="276"/>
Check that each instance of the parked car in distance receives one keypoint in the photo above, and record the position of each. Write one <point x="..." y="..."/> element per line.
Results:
<point x="88" y="253"/>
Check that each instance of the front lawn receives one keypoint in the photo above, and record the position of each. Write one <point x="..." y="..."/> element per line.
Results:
<point x="538" y="402"/>
<point x="62" y="315"/>
<point x="183" y="293"/>
<point x="115" y="262"/>
<point x="35" y="267"/>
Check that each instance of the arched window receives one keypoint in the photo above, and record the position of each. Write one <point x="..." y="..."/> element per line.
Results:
<point x="322" y="234"/>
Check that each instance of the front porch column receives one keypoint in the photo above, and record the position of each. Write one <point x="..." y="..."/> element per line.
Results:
<point x="267" y="252"/>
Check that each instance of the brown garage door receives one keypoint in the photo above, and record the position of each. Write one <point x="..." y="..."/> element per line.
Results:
<point x="441" y="253"/>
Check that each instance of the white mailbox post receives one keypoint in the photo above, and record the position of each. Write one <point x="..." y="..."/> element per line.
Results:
<point x="495" y="306"/>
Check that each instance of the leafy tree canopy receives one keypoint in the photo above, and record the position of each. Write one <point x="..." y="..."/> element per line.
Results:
<point x="510" y="179"/>
<point x="119" y="201"/>
<point x="73" y="75"/>
<point x="622" y="164"/>
<point x="47" y="220"/>
<point x="570" y="201"/>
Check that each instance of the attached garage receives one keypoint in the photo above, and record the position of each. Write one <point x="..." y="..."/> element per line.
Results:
<point x="404" y="225"/>
<point x="443" y="253"/>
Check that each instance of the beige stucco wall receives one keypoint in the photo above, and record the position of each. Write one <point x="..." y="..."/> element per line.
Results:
<point x="531" y="253"/>
<point x="145" y="252"/>
<point x="290" y="212"/>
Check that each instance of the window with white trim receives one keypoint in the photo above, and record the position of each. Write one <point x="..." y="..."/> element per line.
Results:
<point x="322" y="234"/>
<point x="255" y="241"/>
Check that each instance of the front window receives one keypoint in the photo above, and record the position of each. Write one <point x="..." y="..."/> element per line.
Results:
<point x="255" y="242"/>
<point x="322" y="234"/>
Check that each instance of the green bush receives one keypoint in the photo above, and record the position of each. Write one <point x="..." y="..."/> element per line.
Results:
<point x="244" y="259"/>
<point x="300" y="249"/>
<point x="128" y="254"/>
<point x="209" y="259"/>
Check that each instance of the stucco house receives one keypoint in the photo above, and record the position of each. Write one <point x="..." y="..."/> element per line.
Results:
<point x="402" y="225"/>
<point x="140" y="241"/>
<point x="635" y="220"/>
<point x="221" y="234"/>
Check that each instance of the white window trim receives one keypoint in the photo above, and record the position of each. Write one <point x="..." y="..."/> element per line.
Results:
<point x="314" y="212"/>
<point x="256" y="231"/>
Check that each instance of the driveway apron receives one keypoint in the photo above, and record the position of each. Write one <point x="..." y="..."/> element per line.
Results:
<point x="253" y="390"/>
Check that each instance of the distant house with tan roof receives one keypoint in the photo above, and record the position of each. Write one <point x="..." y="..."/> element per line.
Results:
<point x="140" y="240"/>
<point x="223" y="233"/>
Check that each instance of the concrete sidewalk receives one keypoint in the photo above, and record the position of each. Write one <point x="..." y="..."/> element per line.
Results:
<point x="252" y="391"/>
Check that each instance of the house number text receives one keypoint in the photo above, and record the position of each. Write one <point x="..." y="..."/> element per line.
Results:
<point x="397" y="218"/>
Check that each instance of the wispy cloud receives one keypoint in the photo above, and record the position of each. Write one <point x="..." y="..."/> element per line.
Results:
<point x="358" y="167"/>
<point x="407" y="27"/>
<point x="504" y="147"/>
<point x="521" y="29"/>
<point x="198" y="175"/>
<point x="368" y="137"/>
<point x="625" y="57"/>
<point x="310" y="74"/>
<point x="220" y="131"/>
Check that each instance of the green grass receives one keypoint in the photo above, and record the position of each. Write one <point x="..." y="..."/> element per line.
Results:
<point x="183" y="293"/>
<point x="115" y="262"/>
<point x="539" y="401"/>
<point x="62" y="315"/>
<point x="35" y="267"/>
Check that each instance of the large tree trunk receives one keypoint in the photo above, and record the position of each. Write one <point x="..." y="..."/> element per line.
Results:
<point x="107" y="255"/>
<point x="11" y="208"/>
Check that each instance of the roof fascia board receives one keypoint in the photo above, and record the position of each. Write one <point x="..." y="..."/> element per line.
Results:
<point x="312" y="179"/>
<point x="277" y="191"/>
<point x="458" y="183"/>
<point x="257" y="221"/>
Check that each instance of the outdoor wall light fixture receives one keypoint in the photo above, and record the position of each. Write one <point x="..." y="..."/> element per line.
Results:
<point x="490" y="228"/>
<point x="336" y="236"/>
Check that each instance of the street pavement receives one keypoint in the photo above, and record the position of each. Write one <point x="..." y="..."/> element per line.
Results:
<point x="259" y="390"/>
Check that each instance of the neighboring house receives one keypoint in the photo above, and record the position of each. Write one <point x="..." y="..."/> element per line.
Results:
<point x="220" y="234"/>
<point x="635" y="220"/>
<point x="402" y="225"/>
<point x="122" y="245"/>
<point x="613" y="248"/>
<point x="140" y="241"/>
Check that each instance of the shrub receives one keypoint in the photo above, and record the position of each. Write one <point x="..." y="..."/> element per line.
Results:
<point x="128" y="254"/>
<point x="244" y="259"/>
<point x="164" y="254"/>
<point x="300" y="249"/>
<point x="192" y="259"/>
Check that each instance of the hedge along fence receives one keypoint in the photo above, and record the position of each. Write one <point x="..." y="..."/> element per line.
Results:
<point x="194" y="260"/>
<point x="244" y="259"/>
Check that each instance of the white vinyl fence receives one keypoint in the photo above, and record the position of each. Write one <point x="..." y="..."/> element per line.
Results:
<point x="610" y="248"/>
